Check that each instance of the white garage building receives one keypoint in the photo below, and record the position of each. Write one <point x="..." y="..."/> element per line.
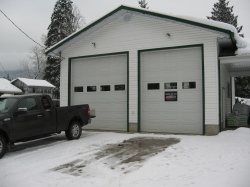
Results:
<point x="149" y="72"/>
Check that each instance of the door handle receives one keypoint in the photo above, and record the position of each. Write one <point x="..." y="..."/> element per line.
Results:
<point x="39" y="116"/>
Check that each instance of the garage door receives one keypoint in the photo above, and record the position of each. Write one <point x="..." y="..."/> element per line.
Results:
<point x="101" y="82"/>
<point x="171" y="91"/>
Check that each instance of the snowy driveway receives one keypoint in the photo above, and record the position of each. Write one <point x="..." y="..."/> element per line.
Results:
<point x="222" y="160"/>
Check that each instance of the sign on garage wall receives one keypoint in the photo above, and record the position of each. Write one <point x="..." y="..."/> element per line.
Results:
<point x="170" y="96"/>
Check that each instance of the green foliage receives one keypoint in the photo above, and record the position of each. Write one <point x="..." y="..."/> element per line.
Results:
<point x="242" y="87"/>
<point x="224" y="13"/>
<point x="61" y="22"/>
<point x="52" y="74"/>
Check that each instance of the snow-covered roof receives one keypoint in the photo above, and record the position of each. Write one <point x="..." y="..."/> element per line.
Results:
<point x="204" y="23"/>
<point x="244" y="50"/>
<point x="34" y="82"/>
<point x="7" y="87"/>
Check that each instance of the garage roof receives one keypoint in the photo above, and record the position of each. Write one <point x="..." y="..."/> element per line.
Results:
<point x="234" y="39"/>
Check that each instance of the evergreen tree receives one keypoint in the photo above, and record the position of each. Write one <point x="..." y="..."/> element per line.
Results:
<point x="143" y="4"/>
<point x="63" y="23"/>
<point x="222" y="12"/>
<point x="242" y="87"/>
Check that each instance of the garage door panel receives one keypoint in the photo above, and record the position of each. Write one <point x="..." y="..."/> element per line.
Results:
<point x="119" y="97"/>
<point x="188" y="117"/>
<point x="119" y="107"/>
<point x="185" y="74"/>
<point x="152" y="125"/>
<point x="190" y="128"/>
<point x="152" y="116"/>
<point x="153" y="76"/>
<point x="173" y="66"/>
<point x="110" y="106"/>
<point x="120" y="69"/>
<point x="167" y="116"/>
<point x="170" y="107"/>
<point x="151" y="96"/>
<point x="188" y="97"/>
<point x="118" y="78"/>
<point x="118" y="115"/>
<point x="150" y="105"/>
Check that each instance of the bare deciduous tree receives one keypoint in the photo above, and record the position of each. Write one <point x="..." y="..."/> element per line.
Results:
<point x="78" y="19"/>
<point x="25" y="69"/>
<point x="33" y="67"/>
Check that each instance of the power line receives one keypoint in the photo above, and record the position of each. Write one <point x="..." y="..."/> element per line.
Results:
<point x="21" y="30"/>
<point x="26" y="34"/>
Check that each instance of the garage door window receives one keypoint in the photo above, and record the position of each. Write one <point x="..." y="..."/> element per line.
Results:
<point x="188" y="85"/>
<point x="153" y="86"/>
<point x="91" y="88"/>
<point x="78" y="89"/>
<point x="120" y="87"/>
<point x="105" y="88"/>
<point x="171" y="85"/>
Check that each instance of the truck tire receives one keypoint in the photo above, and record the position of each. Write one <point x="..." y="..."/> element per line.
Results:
<point x="74" y="131"/>
<point x="3" y="146"/>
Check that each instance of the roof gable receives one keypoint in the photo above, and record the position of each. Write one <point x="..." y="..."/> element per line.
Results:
<point x="201" y="23"/>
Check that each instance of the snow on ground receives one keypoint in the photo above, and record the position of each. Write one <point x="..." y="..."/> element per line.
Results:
<point x="222" y="160"/>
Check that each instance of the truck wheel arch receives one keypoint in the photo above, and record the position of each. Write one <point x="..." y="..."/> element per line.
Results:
<point x="75" y="118"/>
<point x="5" y="135"/>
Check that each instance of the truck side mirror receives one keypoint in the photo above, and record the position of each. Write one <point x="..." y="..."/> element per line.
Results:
<point x="20" y="111"/>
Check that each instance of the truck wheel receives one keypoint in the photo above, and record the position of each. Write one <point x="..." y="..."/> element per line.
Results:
<point x="74" y="131"/>
<point x="3" y="146"/>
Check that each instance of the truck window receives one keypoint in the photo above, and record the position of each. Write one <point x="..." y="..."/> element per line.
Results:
<point x="6" y="104"/>
<point x="45" y="103"/>
<point x="29" y="103"/>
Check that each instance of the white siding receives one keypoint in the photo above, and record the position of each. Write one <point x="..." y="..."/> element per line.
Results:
<point x="145" y="33"/>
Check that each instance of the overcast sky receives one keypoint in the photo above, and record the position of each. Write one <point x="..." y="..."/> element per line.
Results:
<point x="33" y="17"/>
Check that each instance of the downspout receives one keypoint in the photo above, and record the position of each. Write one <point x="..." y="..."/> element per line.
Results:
<point x="233" y="41"/>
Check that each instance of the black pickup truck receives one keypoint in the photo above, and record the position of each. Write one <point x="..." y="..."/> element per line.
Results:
<point x="28" y="117"/>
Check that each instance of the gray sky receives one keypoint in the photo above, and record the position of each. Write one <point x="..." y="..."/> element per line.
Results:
<point x="33" y="17"/>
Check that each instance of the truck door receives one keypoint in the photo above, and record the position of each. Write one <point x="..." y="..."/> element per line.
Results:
<point x="49" y="113"/>
<point x="27" y="124"/>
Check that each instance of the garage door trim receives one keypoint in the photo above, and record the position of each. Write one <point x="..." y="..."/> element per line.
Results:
<point x="99" y="55"/>
<point x="170" y="48"/>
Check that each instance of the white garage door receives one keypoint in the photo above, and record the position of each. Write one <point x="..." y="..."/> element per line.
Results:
<point x="171" y="91"/>
<point x="101" y="82"/>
